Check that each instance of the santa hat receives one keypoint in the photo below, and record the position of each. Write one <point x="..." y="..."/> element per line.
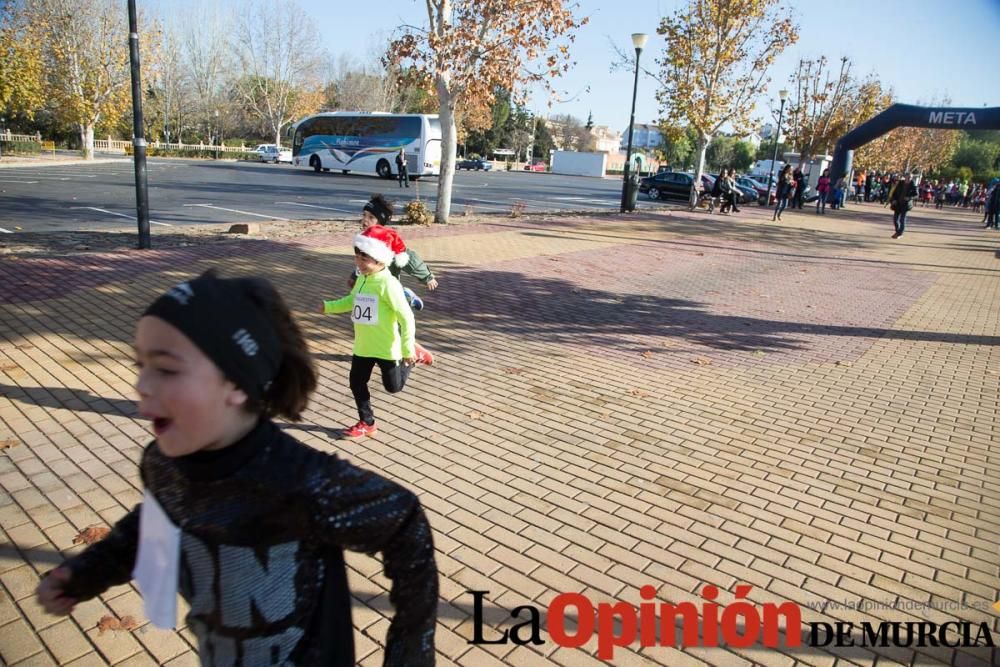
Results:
<point x="383" y="245"/>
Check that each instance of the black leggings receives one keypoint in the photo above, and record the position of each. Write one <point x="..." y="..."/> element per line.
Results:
<point x="394" y="376"/>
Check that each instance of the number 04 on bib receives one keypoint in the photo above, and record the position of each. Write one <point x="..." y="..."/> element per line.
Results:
<point x="365" y="309"/>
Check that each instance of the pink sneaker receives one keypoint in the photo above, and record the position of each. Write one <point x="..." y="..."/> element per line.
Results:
<point x="359" y="430"/>
<point x="422" y="355"/>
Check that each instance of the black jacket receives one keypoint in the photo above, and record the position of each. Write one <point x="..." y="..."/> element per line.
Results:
<point x="264" y="523"/>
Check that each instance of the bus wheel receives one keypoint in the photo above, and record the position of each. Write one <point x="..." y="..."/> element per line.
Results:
<point x="383" y="169"/>
<point x="346" y="171"/>
<point x="315" y="163"/>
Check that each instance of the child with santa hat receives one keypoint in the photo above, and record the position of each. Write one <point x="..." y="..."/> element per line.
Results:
<point x="384" y="326"/>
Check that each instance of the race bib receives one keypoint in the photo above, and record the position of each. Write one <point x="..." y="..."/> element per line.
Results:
<point x="157" y="563"/>
<point x="365" y="309"/>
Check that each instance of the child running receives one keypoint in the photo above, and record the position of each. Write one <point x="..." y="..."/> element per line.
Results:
<point x="378" y="211"/>
<point x="383" y="323"/>
<point x="244" y="521"/>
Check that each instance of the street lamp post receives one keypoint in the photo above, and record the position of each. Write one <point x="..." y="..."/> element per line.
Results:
<point x="783" y="95"/>
<point x="218" y="134"/>
<point x="638" y="41"/>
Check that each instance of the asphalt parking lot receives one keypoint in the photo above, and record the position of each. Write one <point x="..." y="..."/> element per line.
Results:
<point x="101" y="196"/>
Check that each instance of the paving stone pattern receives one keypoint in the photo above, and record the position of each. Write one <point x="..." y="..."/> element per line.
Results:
<point x="673" y="399"/>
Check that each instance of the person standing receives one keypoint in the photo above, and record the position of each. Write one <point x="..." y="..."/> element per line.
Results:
<point x="799" y="178"/>
<point x="822" y="189"/>
<point x="401" y="169"/>
<point x="993" y="207"/>
<point x="785" y="186"/>
<point x="901" y="201"/>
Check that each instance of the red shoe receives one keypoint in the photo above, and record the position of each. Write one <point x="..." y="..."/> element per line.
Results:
<point x="422" y="355"/>
<point x="359" y="430"/>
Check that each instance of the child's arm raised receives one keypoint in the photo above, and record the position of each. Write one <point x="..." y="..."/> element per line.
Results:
<point x="417" y="268"/>
<point x="363" y="511"/>
<point x="100" y="566"/>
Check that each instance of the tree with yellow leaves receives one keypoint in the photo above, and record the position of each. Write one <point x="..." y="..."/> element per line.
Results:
<point x="715" y="64"/>
<point x="87" y="62"/>
<point x="22" y="68"/>
<point x="472" y="48"/>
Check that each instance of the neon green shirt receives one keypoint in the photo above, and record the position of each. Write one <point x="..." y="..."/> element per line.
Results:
<point x="383" y="322"/>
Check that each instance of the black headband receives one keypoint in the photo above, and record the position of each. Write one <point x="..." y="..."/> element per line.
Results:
<point x="227" y="326"/>
<point x="379" y="210"/>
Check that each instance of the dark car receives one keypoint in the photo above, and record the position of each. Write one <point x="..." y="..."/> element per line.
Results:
<point x="667" y="185"/>
<point x="478" y="164"/>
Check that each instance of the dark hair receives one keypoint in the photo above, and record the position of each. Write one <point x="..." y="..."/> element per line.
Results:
<point x="384" y="204"/>
<point x="289" y="392"/>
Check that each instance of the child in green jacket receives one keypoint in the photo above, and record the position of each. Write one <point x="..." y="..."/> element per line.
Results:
<point x="383" y="323"/>
<point x="378" y="211"/>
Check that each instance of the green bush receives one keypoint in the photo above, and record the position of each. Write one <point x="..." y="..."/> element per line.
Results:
<point x="20" y="147"/>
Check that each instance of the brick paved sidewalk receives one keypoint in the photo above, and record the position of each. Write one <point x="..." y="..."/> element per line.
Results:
<point x="678" y="400"/>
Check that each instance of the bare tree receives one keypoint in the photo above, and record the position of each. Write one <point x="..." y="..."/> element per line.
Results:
<point x="817" y="108"/>
<point x="280" y="60"/>
<point x="209" y="64"/>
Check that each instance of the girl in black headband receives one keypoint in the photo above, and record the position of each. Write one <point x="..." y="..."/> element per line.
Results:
<point x="379" y="211"/>
<point x="244" y="521"/>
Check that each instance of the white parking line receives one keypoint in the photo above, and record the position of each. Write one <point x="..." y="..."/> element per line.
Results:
<point x="122" y="215"/>
<point x="7" y="180"/>
<point x="325" y="208"/>
<point x="233" y="210"/>
<point x="5" y="231"/>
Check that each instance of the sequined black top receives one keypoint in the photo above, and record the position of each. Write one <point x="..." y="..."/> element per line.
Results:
<point x="264" y="523"/>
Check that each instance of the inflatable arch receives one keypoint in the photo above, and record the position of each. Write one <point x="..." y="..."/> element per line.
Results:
<point x="907" y="115"/>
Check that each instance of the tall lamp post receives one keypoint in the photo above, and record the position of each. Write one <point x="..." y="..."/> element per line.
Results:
<point x="783" y="95"/>
<point x="638" y="41"/>
<point x="218" y="134"/>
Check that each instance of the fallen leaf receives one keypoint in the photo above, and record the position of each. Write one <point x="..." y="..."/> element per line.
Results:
<point x="91" y="534"/>
<point x="513" y="370"/>
<point x="759" y="353"/>
<point x="5" y="368"/>
<point x="8" y="443"/>
<point x="108" y="623"/>
<point x="475" y="414"/>
<point x="843" y="363"/>
<point x="129" y="623"/>
<point x="700" y="254"/>
<point x="702" y="361"/>
<point x="638" y="392"/>
<point x="647" y="354"/>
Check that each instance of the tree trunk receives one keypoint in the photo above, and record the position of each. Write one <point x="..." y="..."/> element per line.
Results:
<point x="699" y="167"/>
<point x="277" y="137"/>
<point x="449" y="146"/>
<point x="87" y="141"/>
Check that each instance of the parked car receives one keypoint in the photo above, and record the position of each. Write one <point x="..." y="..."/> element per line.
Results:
<point x="476" y="163"/>
<point x="535" y="166"/>
<point x="273" y="153"/>
<point x="758" y="186"/>
<point x="667" y="185"/>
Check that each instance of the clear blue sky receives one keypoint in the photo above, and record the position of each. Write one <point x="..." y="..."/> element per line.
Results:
<point x="921" y="48"/>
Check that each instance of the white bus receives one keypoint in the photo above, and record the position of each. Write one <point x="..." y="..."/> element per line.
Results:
<point x="368" y="143"/>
